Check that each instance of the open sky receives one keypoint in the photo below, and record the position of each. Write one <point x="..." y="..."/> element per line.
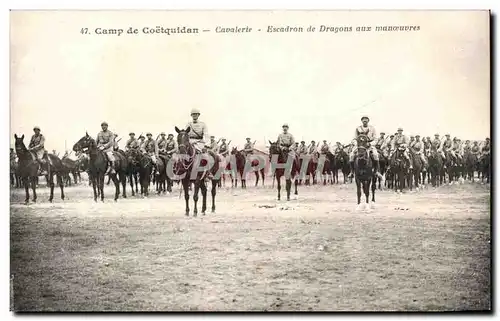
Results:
<point x="433" y="80"/>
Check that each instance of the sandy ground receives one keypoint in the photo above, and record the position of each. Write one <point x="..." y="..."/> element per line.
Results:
<point x="428" y="250"/>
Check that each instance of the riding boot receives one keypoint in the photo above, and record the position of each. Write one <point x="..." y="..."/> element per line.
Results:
<point x="42" y="172"/>
<point x="377" y="168"/>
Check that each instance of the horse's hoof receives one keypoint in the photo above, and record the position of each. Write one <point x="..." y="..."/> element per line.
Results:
<point x="372" y="205"/>
<point x="203" y="213"/>
<point x="213" y="210"/>
<point x="124" y="196"/>
<point x="50" y="200"/>
<point x="26" y="202"/>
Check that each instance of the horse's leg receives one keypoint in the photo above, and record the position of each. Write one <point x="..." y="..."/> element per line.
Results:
<point x="214" y="191"/>
<point x="278" y="182"/>
<point x="51" y="184"/>
<point x="131" y="183"/>
<point x="26" y="182"/>
<point x="101" y="185"/>
<point x="374" y="188"/>
<point x="262" y="173"/>
<point x="93" y="182"/>
<point x="288" y="188"/>
<point x="195" y="196"/>
<point x="256" y="178"/>
<point x="33" y="187"/>
<point x="296" y="183"/>
<point x="185" y="185"/>
<point x="203" y="187"/>
<point x="358" y="191"/>
<point x="61" y="185"/>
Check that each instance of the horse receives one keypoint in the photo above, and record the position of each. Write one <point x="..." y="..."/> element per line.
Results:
<point x="29" y="167"/>
<point x="161" y="177"/>
<point x="400" y="169"/>
<point x="184" y="166"/>
<point x="364" y="174"/>
<point x="312" y="164"/>
<point x="469" y="165"/>
<point x="436" y="169"/>
<point x="145" y="171"/>
<point x="293" y="172"/>
<point x="341" y="163"/>
<point x="71" y="167"/>
<point x="15" y="179"/>
<point x="418" y="165"/>
<point x="383" y="163"/>
<point x="328" y="167"/>
<point x="452" y="167"/>
<point x="133" y="156"/>
<point x="240" y="168"/>
<point x="485" y="167"/>
<point x="98" y="166"/>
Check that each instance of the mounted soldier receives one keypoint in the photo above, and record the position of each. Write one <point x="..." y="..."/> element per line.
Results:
<point x="132" y="142"/>
<point x="162" y="144"/>
<point x="312" y="147"/>
<point x="151" y="148"/>
<point x="223" y="149"/>
<point x="248" y="148"/>
<point x="486" y="147"/>
<point x="447" y="146"/>
<point x="302" y="150"/>
<point x="198" y="133"/>
<point x="412" y="141"/>
<point x="370" y="133"/>
<point x="141" y="142"/>
<point x="418" y="149"/>
<point x="213" y="145"/>
<point x="401" y="140"/>
<point x="171" y="146"/>
<point x="105" y="142"/>
<point x="324" y="148"/>
<point x="286" y="141"/>
<point x="457" y="148"/>
<point x="37" y="146"/>
<point x="476" y="150"/>
<point x="381" y="141"/>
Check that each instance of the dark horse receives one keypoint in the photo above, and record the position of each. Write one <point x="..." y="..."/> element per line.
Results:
<point x="133" y="156"/>
<point x="28" y="170"/>
<point x="418" y="167"/>
<point x="98" y="165"/>
<point x="400" y="168"/>
<point x="289" y="173"/>
<point x="436" y="169"/>
<point x="161" y="178"/>
<point x="470" y="161"/>
<point x="342" y="163"/>
<point x="185" y="165"/>
<point x="485" y="167"/>
<point x="364" y="173"/>
<point x="145" y="171"/>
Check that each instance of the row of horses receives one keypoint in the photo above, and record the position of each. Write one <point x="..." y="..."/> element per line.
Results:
<point x="137" y="167"/>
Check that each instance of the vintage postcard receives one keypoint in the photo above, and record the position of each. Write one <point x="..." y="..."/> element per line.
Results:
<point x="250" y="160"/>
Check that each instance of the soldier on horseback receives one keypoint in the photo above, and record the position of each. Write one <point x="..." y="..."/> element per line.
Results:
<point x="162" y="144"/>
<point x="380" y="143"/>
<point x="457" y="148"/>
<point x="286" y="141"/>
<point x="213" y="144"/>
<point x="324" y="148"/>
<point x="132" y="142"/>
<point x="418" y="149"/>
<point x="400" y="140"/>
<point x="197" y="135"/>
<point x="438" y="145"/>
<point x="223" y="150"/>
<point x="248" y="148"/>
<point x="302" y="150"/>
<point x="369" y="132"/>
<point x="486" y="147"/>
<point x="141" y="142"/>
<point x="476" y="150"/>
<point x="105" y="142"/>
<point x="37" y="146"/>
<point x="312" y="147"/>
<point x="151" y="148"/>
<point x="447" y="146"/>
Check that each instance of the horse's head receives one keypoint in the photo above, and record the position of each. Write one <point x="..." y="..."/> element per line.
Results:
<point x="19" y="144"/>
<point x="84" y="144"/>
<point x="183" y="139"/>
<point x="132" y="156"/>
<point x="363" y="140"/>
<point x="145" y="160"/>
<point x="234" y="150"/>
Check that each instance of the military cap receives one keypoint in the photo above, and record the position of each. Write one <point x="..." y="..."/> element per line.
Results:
<point x="162" y="133"/>
<point x="365" y="117"/>
<point x="417" y="136"/>
<point x="170" y="135"/>
<point x="436" y="134"/>
<point x="285" y="125"/>
<point x="324" y="140"/>
<point x="36" y="128"/>
<point x="400" y="129"/>
<point x="104" y="123"/>
<point x="447" y="135"/>
<point x="248" y="138"/>
<point x="382" y="133"/>
<point x="223" y="139"/>
<point x="312" y="141"/>
<point x="141" y="136"/>
<point x="412" y="136"/>
<point x="131" y="133"/>
<point x="195" y="111"/>
<point x="149" y="134"/>
<point x="487" y="138"/>
<point x="302" y="141"/>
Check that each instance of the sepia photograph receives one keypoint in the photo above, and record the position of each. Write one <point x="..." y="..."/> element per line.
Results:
<point x="258" y="160"/>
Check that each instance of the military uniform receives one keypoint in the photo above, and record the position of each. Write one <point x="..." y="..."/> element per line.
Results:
<point x="369" y="131"/>
<point x="105" y="139"/>
<point x="486" y="148"/>
<point x="248" y="148"/>
<point x="37" y="145"/>
<point x="418" y="149"/>
<point x="287" y="141"/>
<point x="171" y="147"/>
<point x="151" y="149"/>
<point x="324" y="148"/>
<point x="447" y="147"/>
<point x="456" y="149"/>
<point x="197" y="134"/>
<point x="312" y="148"/>
<point x="400" y="140"/>
<point x="302" y="149"/>
<point x="132" y="143"/>
<point x="162" y="145"/>
<point x="223" y="149"/>
<point x="213" y="146"/>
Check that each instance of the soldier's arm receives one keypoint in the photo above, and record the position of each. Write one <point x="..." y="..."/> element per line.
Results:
<point x="41" y="144"/>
